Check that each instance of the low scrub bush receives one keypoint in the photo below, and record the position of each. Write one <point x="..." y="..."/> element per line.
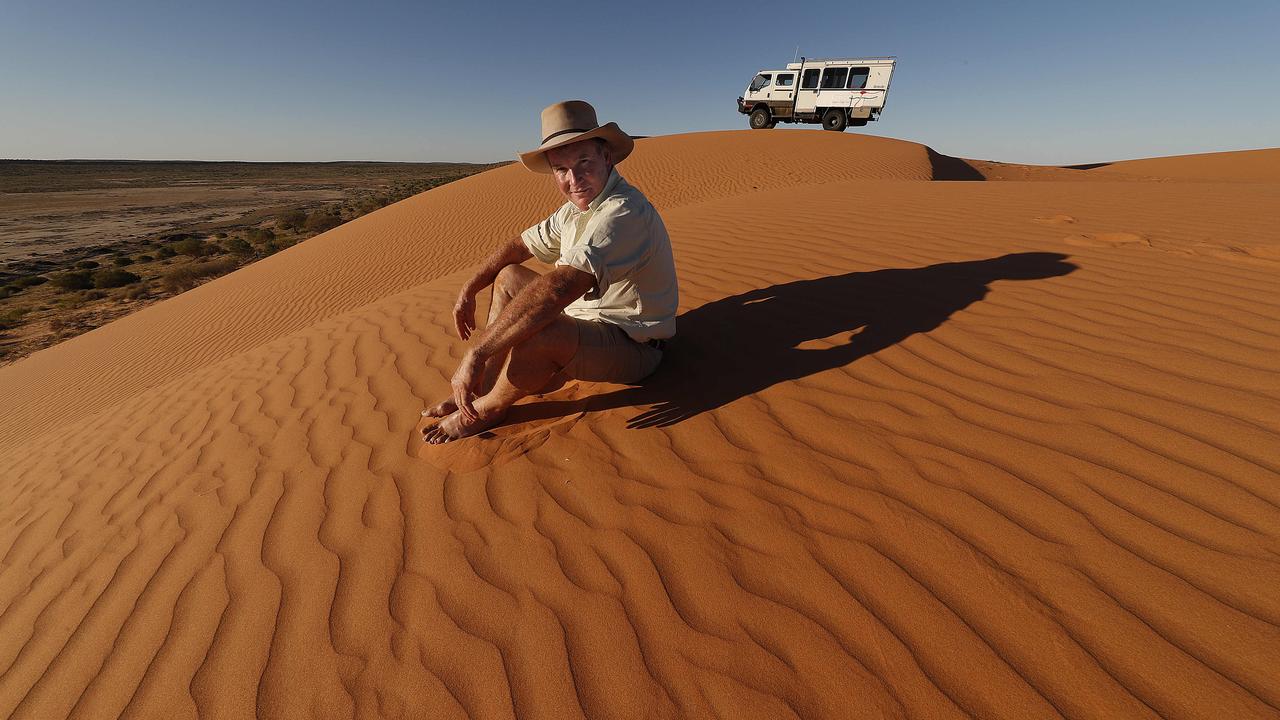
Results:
<point x="321" y="220"/>
<point x="144" y="258"/>
<point x="87" y="264"/>
<point x="193" y="247"/>
<point x="31" y="281"/>
<point x="12" y="317"/>
<point x="237" y="246"/>
<point x="166" y="252"/>
<point x="259" y="235"/>
<point x="114" y="278"/>
<point x="123" y="261"/>
<point x="188" y="276"/>
<point x="292" y="220"/>
<point x="75" y="280"/>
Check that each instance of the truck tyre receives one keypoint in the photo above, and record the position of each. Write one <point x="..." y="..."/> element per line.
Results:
<point x="834" y="119"/>
<point x="761" y="119"/>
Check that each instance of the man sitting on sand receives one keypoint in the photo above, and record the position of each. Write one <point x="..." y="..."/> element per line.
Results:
<point x="605" y="310"/>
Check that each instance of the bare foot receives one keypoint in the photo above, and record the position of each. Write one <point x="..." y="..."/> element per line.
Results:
<point x="441" y="409"/>
<point x="457" y="426"/>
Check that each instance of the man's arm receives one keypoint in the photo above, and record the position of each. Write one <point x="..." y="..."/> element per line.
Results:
<point x="533" y="309"/>
<point x="527" y="313"/>
<point x="512" y="252"/>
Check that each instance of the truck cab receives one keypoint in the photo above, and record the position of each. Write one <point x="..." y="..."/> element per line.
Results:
<point x="836" y="93"/>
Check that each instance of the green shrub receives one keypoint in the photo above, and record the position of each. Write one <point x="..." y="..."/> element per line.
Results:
<point x="87" y="264"/>
<point x="188" y="276"/>
<point x="123" y="261"/>
<point x="114" y="278"/>
<point x="191" y="246"/>
<point x="77" y="280"/>
<point x="12" y="317"/>
<point x="237" y="246"/>
<point x="166" y="252"/>
<point x="292" y="220"/>
<point x="321" y="220"/>
<point x="31" y="281"/>
<point x="259" y="235"/>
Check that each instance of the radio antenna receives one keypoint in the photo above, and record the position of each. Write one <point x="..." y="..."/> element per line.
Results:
<point x="797" y="55"/>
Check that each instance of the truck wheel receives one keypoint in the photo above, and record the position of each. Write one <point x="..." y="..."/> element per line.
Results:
<point x="760" y="119"/>
<point x="834" y="119"/>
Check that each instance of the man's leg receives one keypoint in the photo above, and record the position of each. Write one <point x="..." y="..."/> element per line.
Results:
<point x="530" y="367"/>
<point x="509" y="283"/>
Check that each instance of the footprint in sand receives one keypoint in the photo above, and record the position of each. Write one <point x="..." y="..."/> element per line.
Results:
<point x="1054" y="220"/>
<point x="1114" y="240"/>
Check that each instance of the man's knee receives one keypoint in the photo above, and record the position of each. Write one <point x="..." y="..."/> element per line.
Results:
<point x="512" y="279"/>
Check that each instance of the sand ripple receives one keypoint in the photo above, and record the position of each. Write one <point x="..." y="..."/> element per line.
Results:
<point x="912" y="455"/>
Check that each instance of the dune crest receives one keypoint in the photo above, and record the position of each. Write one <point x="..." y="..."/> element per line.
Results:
<point x="913" y="454"/>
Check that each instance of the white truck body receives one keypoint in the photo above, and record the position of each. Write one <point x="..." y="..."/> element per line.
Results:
<point x="836" y="92"/>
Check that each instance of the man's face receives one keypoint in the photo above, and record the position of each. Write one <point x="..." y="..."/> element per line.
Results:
<point x="581" y="169"/>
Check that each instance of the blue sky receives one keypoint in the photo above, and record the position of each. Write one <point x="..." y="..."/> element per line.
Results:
<point x="1063" y="82"/>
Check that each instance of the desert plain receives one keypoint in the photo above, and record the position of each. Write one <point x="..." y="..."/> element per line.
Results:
<point x="937" y="439"/>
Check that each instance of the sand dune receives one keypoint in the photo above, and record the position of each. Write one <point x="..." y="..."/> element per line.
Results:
<point x="922" y="449"/>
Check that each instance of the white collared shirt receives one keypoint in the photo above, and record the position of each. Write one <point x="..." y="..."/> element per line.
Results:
<point x="619" y="239"/>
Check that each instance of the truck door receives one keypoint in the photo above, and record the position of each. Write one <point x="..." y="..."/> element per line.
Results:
<point x="784" y="84"/>
<point x="807" y="93"/>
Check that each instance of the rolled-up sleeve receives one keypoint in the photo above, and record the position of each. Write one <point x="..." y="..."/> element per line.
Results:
<point x="543" y="239"/>
<point x="612" y="247"/>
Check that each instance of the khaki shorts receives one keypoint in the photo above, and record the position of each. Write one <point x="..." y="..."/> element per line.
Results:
<point x="607" y="354"/>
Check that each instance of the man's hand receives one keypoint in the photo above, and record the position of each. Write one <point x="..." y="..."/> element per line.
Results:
<point x="465" y="383"/>
<point x="464" y="313"/>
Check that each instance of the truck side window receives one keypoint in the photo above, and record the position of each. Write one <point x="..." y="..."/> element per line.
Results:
<point x="833" y="78"/>
<point x="785" y="79"/>
<point x="810" y="79"/>
<point x="760" y="81"/>
<point x="858" y="78"/>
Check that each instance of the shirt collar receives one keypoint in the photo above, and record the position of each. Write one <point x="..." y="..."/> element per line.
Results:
<point x="614" y="179"/>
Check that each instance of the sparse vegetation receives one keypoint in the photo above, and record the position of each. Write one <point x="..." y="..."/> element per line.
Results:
<point x="185" y="277"/>
<point x="292" y="220"/>
<point x="77" y="287"/>
<point x="259" y="235"/>
<point x="12" y="317"/>
<point x="114" y="278"/>
<point x="192" y="247"/>
<point x="237" y="246"/>
<point x="76" y="280"/>
<point x="321" y="220"/>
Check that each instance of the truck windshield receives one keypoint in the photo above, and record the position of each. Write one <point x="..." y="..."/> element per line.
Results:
<point x="759" y="81"/>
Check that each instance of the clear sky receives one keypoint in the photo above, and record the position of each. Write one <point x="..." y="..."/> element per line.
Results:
<point x="1038" y="82"/>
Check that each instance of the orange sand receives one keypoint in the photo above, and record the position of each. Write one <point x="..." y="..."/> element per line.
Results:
<point x="922" y="449"/>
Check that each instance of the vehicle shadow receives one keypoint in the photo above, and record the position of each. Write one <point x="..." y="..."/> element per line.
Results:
<point x="731" y="348"/>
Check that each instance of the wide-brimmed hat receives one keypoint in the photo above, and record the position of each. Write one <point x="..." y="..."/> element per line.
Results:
<point x="568" y="122"/>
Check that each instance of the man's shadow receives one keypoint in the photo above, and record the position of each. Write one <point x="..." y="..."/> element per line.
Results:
<point x="731" y="348"/>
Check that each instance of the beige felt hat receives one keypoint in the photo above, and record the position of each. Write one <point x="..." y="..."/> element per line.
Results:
<point x="568" y="122"/>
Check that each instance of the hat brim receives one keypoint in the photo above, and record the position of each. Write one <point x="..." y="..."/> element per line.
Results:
<point x="620" y="146"/>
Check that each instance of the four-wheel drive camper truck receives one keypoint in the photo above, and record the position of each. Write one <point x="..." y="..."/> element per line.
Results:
<point x="836" y="93"/>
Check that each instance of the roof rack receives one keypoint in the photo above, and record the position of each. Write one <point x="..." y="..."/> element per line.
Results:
<point x="850" y="61"/>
